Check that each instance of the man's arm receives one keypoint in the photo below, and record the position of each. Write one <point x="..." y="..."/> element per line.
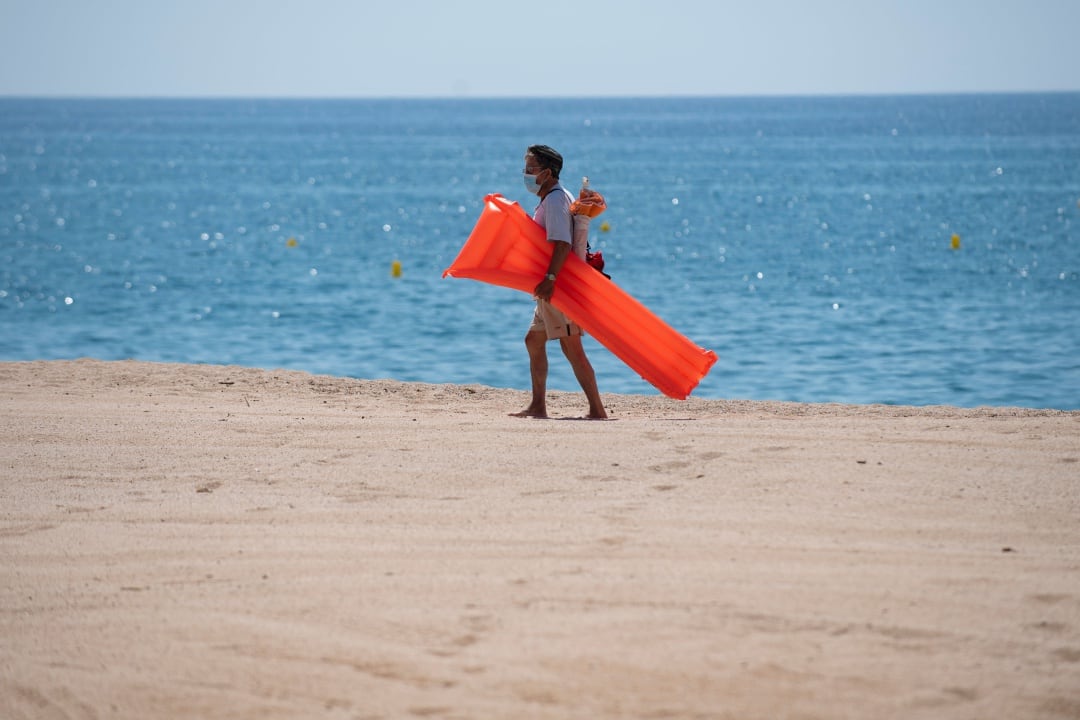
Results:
<point x="546" y="287"/>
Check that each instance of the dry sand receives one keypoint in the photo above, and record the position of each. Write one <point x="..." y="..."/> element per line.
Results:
<point x="218" y="542"/>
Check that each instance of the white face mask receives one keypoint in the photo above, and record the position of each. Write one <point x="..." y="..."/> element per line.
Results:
<point x="531" y="185"/>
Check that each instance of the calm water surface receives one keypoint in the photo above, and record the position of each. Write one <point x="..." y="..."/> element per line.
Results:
<point x="807" y="241"/>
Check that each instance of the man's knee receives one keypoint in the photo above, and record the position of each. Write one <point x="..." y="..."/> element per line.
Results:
<point x="535" y="339"/>
<point x="572" y="347"/>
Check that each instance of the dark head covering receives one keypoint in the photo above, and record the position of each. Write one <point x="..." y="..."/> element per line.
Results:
<point x="548" y="158"/>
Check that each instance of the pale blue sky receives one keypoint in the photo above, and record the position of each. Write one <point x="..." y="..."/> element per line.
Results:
<point x="409" y="48"/>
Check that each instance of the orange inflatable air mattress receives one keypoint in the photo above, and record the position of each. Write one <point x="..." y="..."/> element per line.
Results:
<point x="509" y="249"/>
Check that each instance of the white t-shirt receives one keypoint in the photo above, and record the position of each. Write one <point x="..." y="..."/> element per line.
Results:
<point x="553" y="214"/>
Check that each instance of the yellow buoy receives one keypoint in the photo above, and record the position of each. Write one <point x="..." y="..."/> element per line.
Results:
<point x="395" y="269"/>
<point x="955" y="242"/>
<point x="604" y="226"/>
<point x="291" y="242"/>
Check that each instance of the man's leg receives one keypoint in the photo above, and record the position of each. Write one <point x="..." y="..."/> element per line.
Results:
<point x="583" y="371"/>
<point x="536" y="344"/>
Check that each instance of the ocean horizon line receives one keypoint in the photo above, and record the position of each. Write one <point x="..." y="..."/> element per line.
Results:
<point x="557" y="97"/>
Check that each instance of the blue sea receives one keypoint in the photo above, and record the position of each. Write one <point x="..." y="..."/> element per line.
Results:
<point x="808" y="241"/>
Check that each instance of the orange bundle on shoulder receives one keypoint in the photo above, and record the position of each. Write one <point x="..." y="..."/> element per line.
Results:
<point x="589" y="203"/>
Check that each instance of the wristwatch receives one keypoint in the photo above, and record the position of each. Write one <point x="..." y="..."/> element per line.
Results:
<point x="550" y="276"/>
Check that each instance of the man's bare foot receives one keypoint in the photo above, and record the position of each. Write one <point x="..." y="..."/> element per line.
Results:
<point x="530" y="413"/>
<point x="591" y="416"/>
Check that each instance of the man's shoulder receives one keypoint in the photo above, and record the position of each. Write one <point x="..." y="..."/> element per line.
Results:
<point x="559" y="196"/>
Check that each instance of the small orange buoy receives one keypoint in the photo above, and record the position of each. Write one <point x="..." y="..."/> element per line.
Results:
<point x="291" y="242"/>
<point x="955" y="242"/>
<point x="395" y="269"/>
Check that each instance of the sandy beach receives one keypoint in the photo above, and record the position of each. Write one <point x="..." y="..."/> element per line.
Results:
<point x="192" y="541"/>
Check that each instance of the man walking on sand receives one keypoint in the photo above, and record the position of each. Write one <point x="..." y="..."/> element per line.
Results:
<point x="542" y="167"/>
